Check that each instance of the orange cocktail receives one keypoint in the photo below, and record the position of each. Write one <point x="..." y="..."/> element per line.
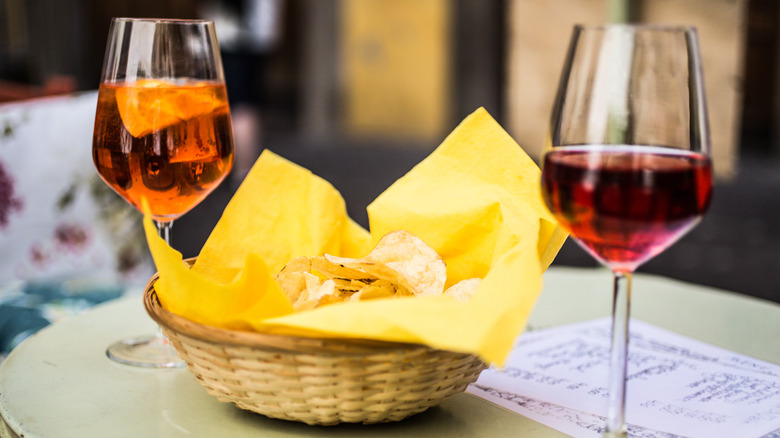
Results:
<point x="170" y="143"/>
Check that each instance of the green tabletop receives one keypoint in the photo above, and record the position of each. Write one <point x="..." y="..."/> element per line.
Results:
<point x="60" y="384"/>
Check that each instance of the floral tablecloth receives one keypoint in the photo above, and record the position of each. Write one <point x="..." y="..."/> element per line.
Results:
<point x="67" y="241"/>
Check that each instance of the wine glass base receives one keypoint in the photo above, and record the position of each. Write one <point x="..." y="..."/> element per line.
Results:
<point x="147" y="351"/>
<point x="618" y="434"/>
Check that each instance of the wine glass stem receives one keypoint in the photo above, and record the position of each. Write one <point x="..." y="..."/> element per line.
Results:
<point x="164" y="229"/>
<point x="621" y="307"/>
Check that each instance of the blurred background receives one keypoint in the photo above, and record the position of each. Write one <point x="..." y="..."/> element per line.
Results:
<point x="359" y="91"/>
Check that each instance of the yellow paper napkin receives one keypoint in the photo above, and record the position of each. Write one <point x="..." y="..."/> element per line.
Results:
<point x="475" y="200"/>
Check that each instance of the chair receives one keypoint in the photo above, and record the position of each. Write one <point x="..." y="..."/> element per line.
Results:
<point x="67" y="241"/>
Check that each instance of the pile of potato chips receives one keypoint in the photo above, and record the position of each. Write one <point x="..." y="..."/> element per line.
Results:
<point x="401" y="265"/>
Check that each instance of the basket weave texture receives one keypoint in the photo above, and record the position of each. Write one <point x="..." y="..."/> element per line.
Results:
<point x="318" y="381"/>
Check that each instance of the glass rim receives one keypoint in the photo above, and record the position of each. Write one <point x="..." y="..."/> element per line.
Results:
<point x="638" y="26"/>
<point x="192" y="21"/>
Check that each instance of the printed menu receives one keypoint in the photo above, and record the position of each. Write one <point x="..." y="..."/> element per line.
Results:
<point x="677" y="386"/>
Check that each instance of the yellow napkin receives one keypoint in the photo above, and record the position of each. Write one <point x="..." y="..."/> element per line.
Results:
<point x="475" y="200"/>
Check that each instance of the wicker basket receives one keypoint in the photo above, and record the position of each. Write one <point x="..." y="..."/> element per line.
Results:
<point x="315" y="380"/>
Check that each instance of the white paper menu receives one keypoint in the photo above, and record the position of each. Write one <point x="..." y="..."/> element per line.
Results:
<point x="677" y="387"/>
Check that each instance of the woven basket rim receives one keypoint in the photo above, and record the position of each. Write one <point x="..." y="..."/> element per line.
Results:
<point x="220" y="336"/>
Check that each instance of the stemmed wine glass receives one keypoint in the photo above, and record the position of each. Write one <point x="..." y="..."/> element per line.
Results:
<point x="162" y="134"/>
<point x="627" y="169"/>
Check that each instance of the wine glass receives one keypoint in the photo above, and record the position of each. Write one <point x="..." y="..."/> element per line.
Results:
<point x="162" y="133"/>
<point x="627" y="169"/>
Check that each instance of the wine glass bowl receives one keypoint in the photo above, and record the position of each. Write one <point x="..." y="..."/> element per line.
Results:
<point x="162" y="127"/>
<point x="626" y="204"/>
<point x="163" y="138"/>
<point x="173" y="154"/>
<point x="627" y="169"/>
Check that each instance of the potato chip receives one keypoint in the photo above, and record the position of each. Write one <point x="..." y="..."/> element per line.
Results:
<point x="404" y="259"/>
<point x="333" y="269"/>
<point x="291" y="278"/>
<point x="347" y="286"/>
<point x="464" y="289"/>
<point x="314" y="282"/>
<point x="400" y="265"/>
<point x="315" y="294"/>
<point x="377" y="289"/>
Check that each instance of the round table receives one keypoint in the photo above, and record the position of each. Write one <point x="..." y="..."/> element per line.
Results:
<point x="60" y="384"/>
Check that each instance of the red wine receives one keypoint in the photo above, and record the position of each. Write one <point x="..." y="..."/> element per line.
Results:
<point x="626" y="204"/>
